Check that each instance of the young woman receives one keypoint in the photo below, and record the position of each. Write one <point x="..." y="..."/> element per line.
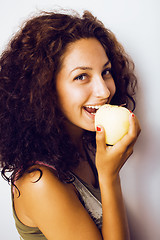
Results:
<point x="56" y="72"/>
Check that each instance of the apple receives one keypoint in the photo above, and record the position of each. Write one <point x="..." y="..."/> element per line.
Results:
<point x="115" y="120"/>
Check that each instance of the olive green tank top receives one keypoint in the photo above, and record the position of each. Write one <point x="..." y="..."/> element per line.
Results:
<point x="89" y="197"/>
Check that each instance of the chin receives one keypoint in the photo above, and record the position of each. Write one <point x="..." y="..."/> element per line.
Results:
<point x="90" y="128"/>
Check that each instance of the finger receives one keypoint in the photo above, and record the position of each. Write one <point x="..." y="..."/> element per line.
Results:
<point x="100" y="139"/>
<point x="134" y="129"/>
<point x="130" y="138"/>
<point x="127" y="154"/>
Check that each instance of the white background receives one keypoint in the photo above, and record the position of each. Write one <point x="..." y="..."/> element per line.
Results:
<point x="137" y="26"/>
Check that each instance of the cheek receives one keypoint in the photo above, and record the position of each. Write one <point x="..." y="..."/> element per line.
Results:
<point x="70" y="99"/>
<point x="63" y="92"/>
<point x="112" y="88"/>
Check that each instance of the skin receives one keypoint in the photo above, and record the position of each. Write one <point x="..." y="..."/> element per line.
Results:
<point x="54" y="207"/>
<point x="84" y="80"/>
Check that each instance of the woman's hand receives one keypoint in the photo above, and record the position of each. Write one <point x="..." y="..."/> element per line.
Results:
<point x="110" y="159"/>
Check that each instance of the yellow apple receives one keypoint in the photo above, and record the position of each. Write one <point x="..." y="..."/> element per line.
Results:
<point x="115" y="120"/>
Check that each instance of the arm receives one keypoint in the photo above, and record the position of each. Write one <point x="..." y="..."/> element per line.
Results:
<point x="109" y="161"/>
<point x="55" y="209"/>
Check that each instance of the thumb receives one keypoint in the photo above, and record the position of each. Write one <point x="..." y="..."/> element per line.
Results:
<point x="100" y="139"/>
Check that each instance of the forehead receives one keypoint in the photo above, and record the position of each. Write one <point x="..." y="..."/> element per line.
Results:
<point x="84" y="52"/>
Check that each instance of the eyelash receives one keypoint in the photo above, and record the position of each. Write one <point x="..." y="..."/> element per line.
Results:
<point x="107" y="70"/>
<point x="79" y="77"/>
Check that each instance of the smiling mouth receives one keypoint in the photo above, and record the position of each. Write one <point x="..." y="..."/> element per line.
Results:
<point x="92" y="109"/>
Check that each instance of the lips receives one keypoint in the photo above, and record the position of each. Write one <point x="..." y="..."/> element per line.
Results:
<point x="92" y="109"/>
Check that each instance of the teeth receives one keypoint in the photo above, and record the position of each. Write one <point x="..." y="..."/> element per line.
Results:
<point x="93" y="107"/>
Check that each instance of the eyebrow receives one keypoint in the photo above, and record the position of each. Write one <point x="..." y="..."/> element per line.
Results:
<point x="89" y="68"/>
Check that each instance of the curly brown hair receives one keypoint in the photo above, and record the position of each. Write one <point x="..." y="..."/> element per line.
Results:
<point x="31" y="126"/>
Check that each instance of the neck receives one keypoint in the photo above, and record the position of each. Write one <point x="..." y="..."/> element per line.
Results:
<point x="75" y="133"/>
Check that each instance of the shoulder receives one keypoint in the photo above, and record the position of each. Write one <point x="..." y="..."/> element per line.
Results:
<point x="51" y="205"/>
<point x="40" y="191"/>
<point x="39" y="180"/>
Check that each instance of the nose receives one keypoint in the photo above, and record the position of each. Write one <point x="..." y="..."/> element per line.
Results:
<point x="100" y="88"/>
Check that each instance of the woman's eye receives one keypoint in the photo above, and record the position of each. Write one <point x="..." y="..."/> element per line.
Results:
<point x="107" y="72"/>
<point x="80" y="77"/>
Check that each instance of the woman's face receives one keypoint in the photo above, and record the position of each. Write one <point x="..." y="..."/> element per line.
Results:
<point x="84" y="83"/>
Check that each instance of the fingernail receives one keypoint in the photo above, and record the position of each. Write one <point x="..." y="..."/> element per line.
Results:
<point x="130" y="111"/>
<point x="99" y="129"/>
<point x="132" y="115"/>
